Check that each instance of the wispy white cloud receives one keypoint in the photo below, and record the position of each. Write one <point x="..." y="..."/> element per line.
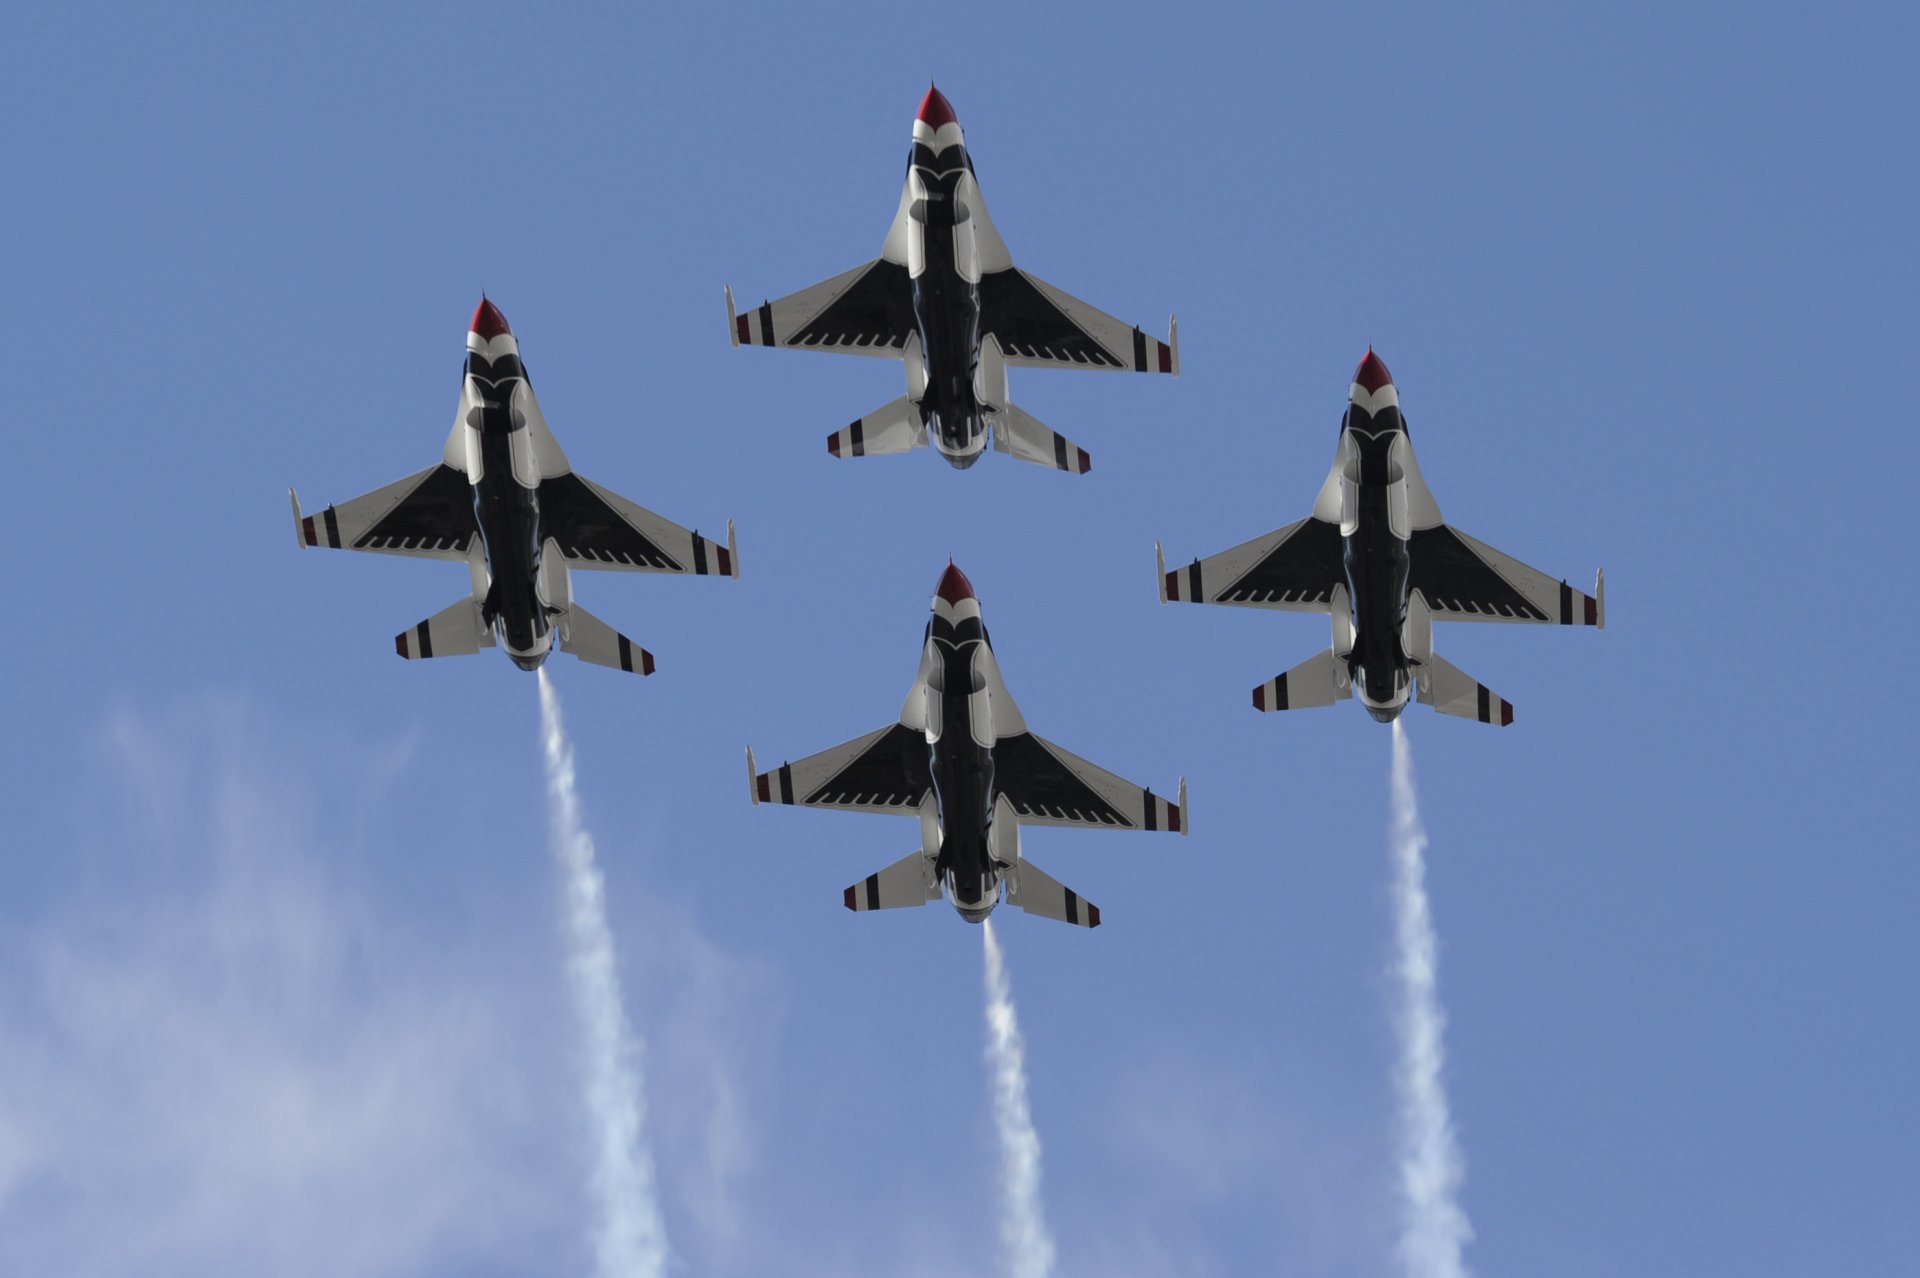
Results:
<point x="1435" y="1228"/>
<point x="219" y="1054"/>
<point x="714" y="1017"/>
<point x="1280" y="1149"/>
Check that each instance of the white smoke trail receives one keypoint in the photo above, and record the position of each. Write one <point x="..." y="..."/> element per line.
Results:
<point x="1022" y="1230"/>
<point x="1431" y="1169"/>
<point x="632" y="1239"/>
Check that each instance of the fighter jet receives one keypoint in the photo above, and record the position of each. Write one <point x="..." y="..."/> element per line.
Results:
<point x="505" y="501"/>
<point x="945" y="297"/>
<point x="962" y="760"/>
<point x="1376" y="555"/>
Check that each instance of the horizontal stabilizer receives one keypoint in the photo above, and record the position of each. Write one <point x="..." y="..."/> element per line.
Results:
<point x="891" y="428"/>
<point x="453" y="632"/>
<point x="591" y="639"/>
<point x="1016" y="432"/>
<point x="908" y="881"/>
<point x="1450" y="690"/>
<point x="1320" y="680"/>
<point x="1039" y="893"/>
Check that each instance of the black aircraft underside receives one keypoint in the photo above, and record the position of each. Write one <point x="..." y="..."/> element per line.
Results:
<point x="445" y="511"/>
<point x="508" y="514"/>
<point x="960" y="759"/>
<point x="1380" y="570"/>
<point x="1302" y="569"/>
<point x="898" y="768"/>
<point x="946" y="312"/>
<point x="1039" y="786"/>
<point x="875" y="310"/>
<point x="1307" y="565"/>
<point x="438" y="515"/>
<point x="951" y="314"/>
<point x="894" y="770"/>
<point x="891" y="771"/>
<point x="1376" y="569"/>
<point x="589" y="529"/>
<point x="1455" y="580"/>
<point x="1027" y="324"/>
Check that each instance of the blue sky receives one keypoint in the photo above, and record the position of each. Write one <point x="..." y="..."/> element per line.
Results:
<point x="280" y="981"/>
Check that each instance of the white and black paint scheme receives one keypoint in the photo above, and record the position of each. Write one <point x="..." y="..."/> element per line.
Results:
<point x="962" y="761"/>
<point x="945" y="297"/>
<point x="1378" y="558"/>
<point x="505" y="501"/>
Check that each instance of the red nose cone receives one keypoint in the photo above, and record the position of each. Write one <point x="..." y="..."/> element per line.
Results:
<point x="935" y="110"/>
<point x="488" y="322"/>
<point x="954" y="585"/>
<point x="1372" y="374"/>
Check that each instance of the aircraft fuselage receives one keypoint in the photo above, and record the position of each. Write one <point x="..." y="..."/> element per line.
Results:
<point x="960" y="740"/>
<point x="1374" y="551"/>
<point x="946" y="305"/>
<point x="506" y="505"/>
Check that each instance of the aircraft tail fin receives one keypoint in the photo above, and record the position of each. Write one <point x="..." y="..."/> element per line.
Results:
<point x="1040" y="893"/>
<point x="1450" y="690"/>
<point x="892" y="428"/>
<point x="591" y="639"/>
<point x="454" y="631"/>
<point x="1320" y="680"/>
<point x="909" y="881"/>
<point x="1017" y="432"/>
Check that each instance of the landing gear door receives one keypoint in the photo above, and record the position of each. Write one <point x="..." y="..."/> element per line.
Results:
<point x="916" y="361"/>
<point x="990" y="375"/>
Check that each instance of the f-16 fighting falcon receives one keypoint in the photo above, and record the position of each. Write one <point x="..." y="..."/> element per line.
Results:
<point x="961" y="759"/>
<point x="945" y="297"/>
<point x="1376" y="555"/>
<point x="505" y="501"/>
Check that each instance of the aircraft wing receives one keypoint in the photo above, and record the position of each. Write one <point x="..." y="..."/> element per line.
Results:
<point x="1041" y="327"/>
<point x="429" y="514"/>
<point x="597" y="528"/>
<point x="1049" y="786"/>
<point x="1294" y="568"/>
<point x="866" y="311"/>
<point x="884" y="771"/>
<point x="1467" y="580"/>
